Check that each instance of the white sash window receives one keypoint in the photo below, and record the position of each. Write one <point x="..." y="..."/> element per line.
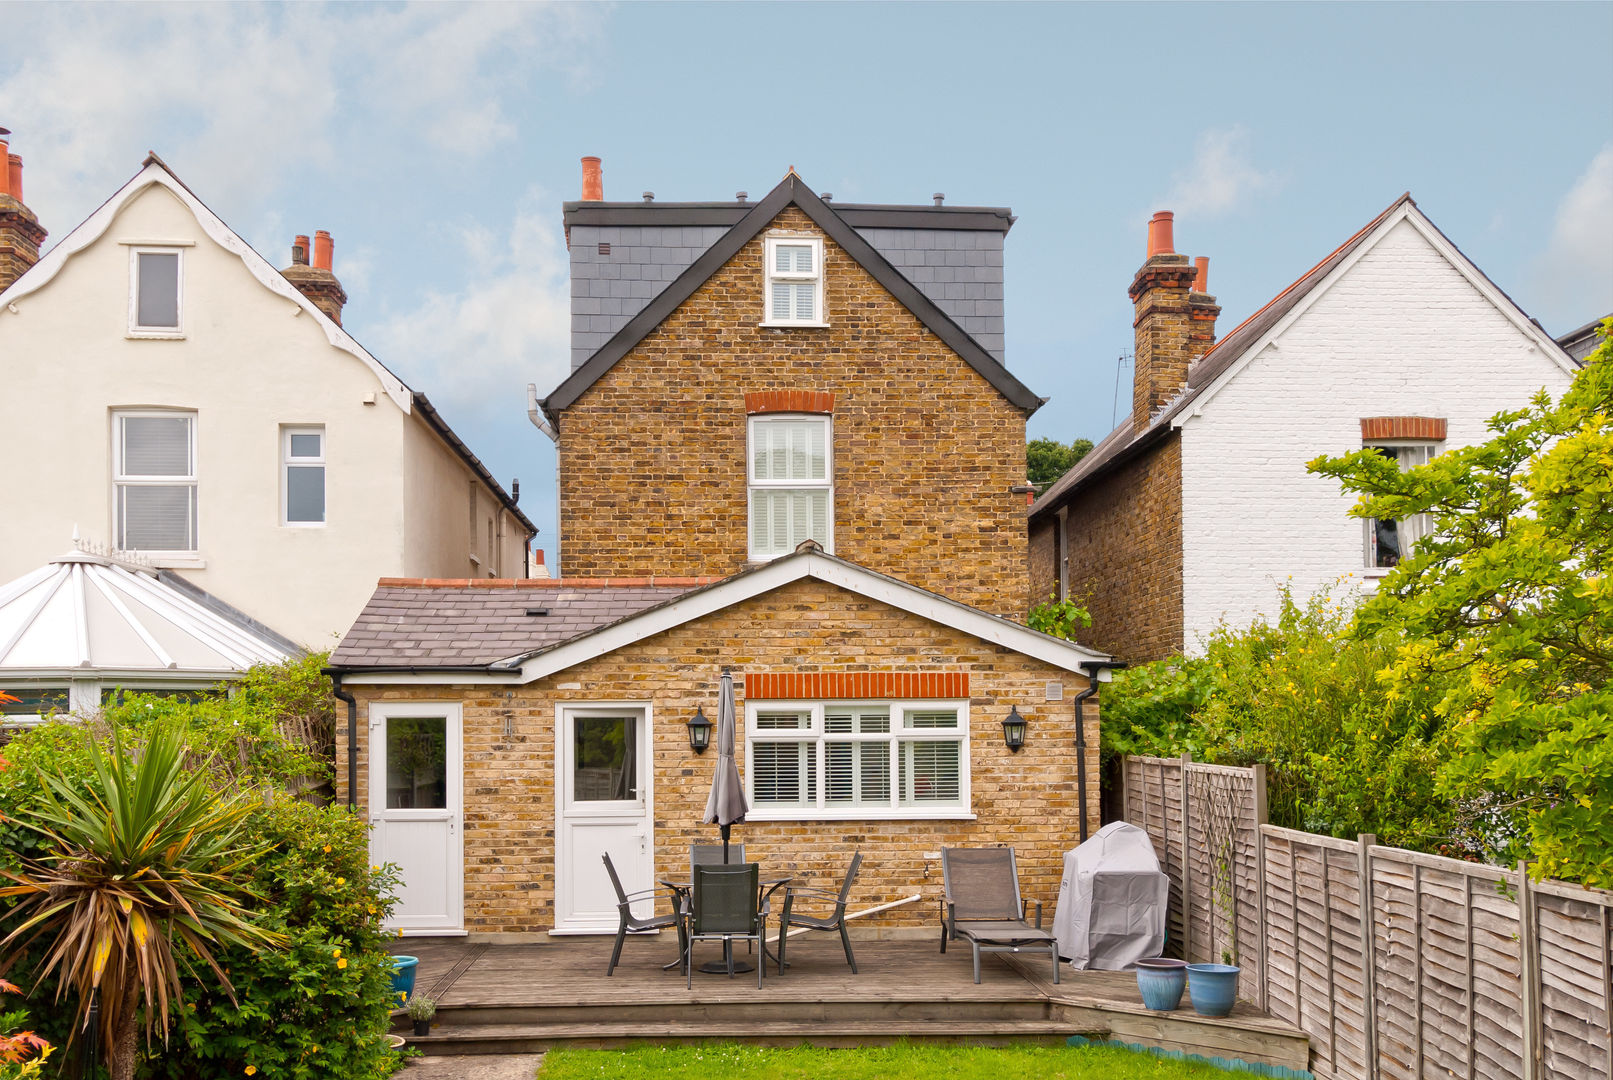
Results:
<point x="154" y="481"/>
<point x="790" y="482"/>
<point x="1389" y="541"/>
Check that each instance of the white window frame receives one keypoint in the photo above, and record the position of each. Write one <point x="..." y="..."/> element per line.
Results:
<point x="287" y="463"/>
<point x="161" y="332"/>
<point x="751" y="482"/>
<point x="1369" y="532"/>
<point x="122" y="480"/>
<point x="899" y="732"/>
<point x="769" y="275"/>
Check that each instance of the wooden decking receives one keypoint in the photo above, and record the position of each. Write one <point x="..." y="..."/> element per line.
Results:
<point x="517" y="998"/>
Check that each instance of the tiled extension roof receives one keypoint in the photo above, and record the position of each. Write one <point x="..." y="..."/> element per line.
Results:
<point x="460" y="622"/>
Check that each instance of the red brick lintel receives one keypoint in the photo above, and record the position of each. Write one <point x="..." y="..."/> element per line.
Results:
<point x="844" y="685"/>
<point x="545" y="583"/>
<point x="792" y="401"/>
<point x="1403" y="427"/>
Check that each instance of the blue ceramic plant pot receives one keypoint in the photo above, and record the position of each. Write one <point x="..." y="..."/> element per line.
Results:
<point x="1161" y="983"/>
<point x="1213" y="988"/>
<point x="403" y="969"/>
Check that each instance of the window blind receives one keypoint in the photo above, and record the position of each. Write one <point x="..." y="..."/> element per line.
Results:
<point x="158" y="290"/>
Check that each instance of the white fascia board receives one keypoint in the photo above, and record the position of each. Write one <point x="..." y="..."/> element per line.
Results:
<point x="96" y="225"/>
<point x="904" y="597"/>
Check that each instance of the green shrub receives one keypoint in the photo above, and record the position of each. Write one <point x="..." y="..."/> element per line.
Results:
<point x="1060" y="618"/>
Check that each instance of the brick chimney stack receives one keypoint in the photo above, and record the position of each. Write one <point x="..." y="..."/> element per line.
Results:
<point x="316" y="281"/>
<point x="20" y="231"/>
<point x="1174" y="320"/>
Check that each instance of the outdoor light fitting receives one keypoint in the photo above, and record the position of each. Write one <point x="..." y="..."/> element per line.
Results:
<point x="1014" y="729"/>
<point x="699" y="731"/>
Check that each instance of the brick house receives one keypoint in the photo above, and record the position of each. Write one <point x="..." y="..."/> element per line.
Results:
<point x="789" y="446"/>
<point x="1198" y="507"/>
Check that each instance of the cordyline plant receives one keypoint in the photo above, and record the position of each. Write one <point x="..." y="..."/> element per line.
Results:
<point x="1508" y="607"/>
<point x="143" y="880"/>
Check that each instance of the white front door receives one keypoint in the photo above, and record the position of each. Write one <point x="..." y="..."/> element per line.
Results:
<point x="603" y="807"/>
<point x="415" y="812"/>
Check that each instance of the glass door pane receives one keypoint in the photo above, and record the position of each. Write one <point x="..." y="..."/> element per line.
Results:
<point x="417" y="763"/>
<point x="604" y="761"/>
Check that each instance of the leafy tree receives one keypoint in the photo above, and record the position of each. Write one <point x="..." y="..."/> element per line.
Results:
<point x="1060" y="618"/>
<point x="141" y="884"/>
<point x="1508" y="607"/>
<point x="1048" y="459"/>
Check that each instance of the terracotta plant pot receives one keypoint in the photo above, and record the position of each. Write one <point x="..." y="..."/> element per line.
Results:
<point x="1161" y="982"/>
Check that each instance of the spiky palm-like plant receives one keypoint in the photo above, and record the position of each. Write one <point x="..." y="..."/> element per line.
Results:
<point x="143" y="880"/>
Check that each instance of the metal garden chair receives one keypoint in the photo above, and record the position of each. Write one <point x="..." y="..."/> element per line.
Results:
<point x="837" y="921"/>
<point x="982" y="906"/>
<point x="631" y="924"/>
<point x="725" y="903"/>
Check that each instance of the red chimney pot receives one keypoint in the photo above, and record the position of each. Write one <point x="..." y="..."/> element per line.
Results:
<point x="1161" y="240"/>
<point x="5" y="176"/>
<point x="323" y="249"/>
<point x="593" y="180"/>
<point x="300" y="251"/>
<point x="1201" y="280"/>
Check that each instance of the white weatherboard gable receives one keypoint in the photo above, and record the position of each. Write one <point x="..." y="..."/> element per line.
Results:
<point x="96" y="225"/>
<point x="1402" y="329"/>
<point x="1417" y="220"/>
<point x="938" y="609"/>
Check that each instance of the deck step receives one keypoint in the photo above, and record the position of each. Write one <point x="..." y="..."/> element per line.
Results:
<point x="531" y="1038"/>
<point x="758" y="1008"/>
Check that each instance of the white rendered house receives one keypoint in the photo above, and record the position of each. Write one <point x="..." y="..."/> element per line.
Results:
<point x="171" y="393"/>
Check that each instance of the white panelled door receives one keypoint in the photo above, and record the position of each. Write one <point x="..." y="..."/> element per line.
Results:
<point x="603" y="806"/>
<point x="416" y="811"/>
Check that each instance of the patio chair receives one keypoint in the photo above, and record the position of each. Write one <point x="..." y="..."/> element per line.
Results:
<point x="725" y="904"/>
<point x="982" y="906"/>
<point x="837" y="921"/>
<point x="630" y="923"/>
<point x="711" y="855"/>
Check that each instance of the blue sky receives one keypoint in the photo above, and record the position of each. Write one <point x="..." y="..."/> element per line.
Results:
<point x="436" y="143"/>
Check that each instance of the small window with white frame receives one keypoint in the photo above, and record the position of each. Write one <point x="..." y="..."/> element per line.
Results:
<point x="791" y="483"/>
<point x="1390" y="540"/>
<point x="156" y="291"/>
<point x="154" y="480"/>
<point x="302" y="481"/>
<point x="794" y="281"/>
<point x="857" y="760"/>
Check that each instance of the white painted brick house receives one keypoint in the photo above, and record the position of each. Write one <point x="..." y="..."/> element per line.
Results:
<point x="1199" y="507"/>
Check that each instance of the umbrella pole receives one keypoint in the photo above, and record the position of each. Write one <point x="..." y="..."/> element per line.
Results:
<point x="725" y="830"/>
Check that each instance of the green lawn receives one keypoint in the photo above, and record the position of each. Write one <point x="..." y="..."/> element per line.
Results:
<point x="733" y="1062"/>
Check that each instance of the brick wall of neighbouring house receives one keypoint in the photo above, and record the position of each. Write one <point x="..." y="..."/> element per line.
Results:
<point x="1044" y="561"/>
<point x="1028" y="800"/>
<point x="652" y="456"/>
<point x="1125" y="555"/>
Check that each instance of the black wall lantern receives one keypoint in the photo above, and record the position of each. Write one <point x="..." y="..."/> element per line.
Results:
<point x="1014" y="730"/>
<point x="700" y="731"/>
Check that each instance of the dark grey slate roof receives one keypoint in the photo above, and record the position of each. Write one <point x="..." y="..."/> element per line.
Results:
<point x="1579" y="344"/>
<point x="632" y="327"/>
<point x="1124" y="442"/>
<point x="449" y="624"/>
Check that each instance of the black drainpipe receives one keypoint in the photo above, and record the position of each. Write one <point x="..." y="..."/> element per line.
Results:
<point x="1081" y="737"/>
<point x="352" y="734"/>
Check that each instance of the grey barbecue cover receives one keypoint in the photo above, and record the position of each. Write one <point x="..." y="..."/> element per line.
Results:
<point x="1112" y="901"/>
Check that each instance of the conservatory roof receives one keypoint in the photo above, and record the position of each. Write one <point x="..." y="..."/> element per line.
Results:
<point x="100" y="614"/>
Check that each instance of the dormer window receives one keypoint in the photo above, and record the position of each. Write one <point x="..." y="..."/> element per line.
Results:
<point x="155" y="292"/>
<point x="794" y="281"/>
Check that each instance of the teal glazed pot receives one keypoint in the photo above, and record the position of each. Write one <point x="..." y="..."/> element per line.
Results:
<point x="1161" y="982"/>
<point x="1213" y="988"/>
<point x="403" y="969"/>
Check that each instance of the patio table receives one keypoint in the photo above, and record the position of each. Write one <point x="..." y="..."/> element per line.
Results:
<point x="683" y="886"/>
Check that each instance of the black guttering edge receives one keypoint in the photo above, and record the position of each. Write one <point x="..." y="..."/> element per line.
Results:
<point x="857" y="215"/>
<point x="229" y="611"/>
<point x="416" y="669"/>
<point x="440" y="426"/>
<point x="790" y="191"/>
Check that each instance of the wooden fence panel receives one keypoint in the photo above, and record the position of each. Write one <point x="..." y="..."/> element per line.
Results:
<point x="1576" y="985"/>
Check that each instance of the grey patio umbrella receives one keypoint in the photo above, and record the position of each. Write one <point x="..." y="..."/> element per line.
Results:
<point x="726" y="805"/>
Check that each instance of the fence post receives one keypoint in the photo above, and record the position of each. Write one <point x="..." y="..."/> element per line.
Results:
<point x="1369" y="961"/>
<point x="1260" y="874"/>
<point x="1529" y="973"/>
<point x="1187" y="866"/>
<point x="1125" y="789"/>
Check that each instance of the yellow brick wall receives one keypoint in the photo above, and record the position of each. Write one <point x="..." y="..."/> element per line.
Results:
<point x="1027" y="799"/>
<point x="652" y="456"/>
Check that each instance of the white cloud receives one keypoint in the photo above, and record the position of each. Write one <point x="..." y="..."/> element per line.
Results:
<point x="260" y="94"/>
<point x="474" y="349"/>
<point x="1221" y="178"/>
<point x="1573" y="277"/>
